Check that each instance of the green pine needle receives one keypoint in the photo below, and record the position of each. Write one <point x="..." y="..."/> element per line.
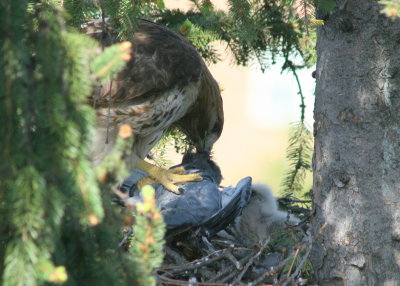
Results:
<point x="299" y="154"/>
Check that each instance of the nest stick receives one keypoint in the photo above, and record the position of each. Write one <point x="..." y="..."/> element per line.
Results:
<point x="251" y="261"/>
<point x="302" y="261"/>
<point x="231" y="270"/>
<point x="195" y="264"/>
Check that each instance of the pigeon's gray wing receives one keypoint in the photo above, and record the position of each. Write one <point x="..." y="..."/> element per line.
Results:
<point x="235" y="199"/>
<point x="197" y="203"/>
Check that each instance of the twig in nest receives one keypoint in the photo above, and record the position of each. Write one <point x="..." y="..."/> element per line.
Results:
<point x="303" y="260"/>
<point x="233" y="259"/>
<point x="220" y="254"/>
<point x="271" y="272"/>
<point x="251" y="261"/>
<point x="179" y="259"/>
<point x="231" y="270"/>
<point x="168" y="281"/>
<point x="196" y="263"/>
<point x="229" y="277"/>
<point x="225" y="243"/>
<point x="294" y="260"/>
<point x="207" y="243"/>
<point x="281" y="265"/>
<point x="292" y="234"/>
<point x="300" y="201"/>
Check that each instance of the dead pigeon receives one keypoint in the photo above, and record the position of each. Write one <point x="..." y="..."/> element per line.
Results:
<point x="201" y="207"/>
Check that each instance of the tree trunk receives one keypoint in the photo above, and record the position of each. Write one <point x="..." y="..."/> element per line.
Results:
<point x="356" y="223"/>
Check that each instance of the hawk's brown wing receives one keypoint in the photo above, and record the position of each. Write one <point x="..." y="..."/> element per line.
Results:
<point x="161" y="60"/>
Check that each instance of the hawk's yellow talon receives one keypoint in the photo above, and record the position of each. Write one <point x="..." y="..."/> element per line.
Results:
<point x="178" y="170"/>
<point x="184" y="178"/>
<point x="144" y="182"/>
<point x="168" y="178"/>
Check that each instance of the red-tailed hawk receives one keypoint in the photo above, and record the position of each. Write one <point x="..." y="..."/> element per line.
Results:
<point x="166" y="83"/>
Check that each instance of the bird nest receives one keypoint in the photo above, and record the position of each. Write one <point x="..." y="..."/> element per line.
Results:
<point x="226" y="259"/>
<point x="228" y="235"/>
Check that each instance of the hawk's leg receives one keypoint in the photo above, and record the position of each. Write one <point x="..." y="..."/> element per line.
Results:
<point x="168" y="178"/>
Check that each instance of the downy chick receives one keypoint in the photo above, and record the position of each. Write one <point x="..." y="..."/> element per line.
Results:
<point x="261" y="217"/>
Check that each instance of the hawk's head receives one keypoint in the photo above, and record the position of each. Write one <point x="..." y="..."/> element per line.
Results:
<point x="204" y="122"/>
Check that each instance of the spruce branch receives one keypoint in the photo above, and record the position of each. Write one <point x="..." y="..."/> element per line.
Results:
<point x="305" y="11"/>
<point x="299" y="155"/>
<point x="293" y="68"/>
<point x="78" y="11"/>
<point x="148" y="237"/>
<point x="124" y="14"/>
<point x="41" y="115"/>
<point x="111" y="60"/>
<point x="299" y="150"/>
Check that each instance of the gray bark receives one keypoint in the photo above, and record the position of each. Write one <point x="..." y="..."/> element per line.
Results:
<point x="357" y="148"/>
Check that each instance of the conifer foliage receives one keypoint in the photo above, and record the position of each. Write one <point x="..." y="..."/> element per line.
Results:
<point x="44" y="139"/>
<point x="57" y="220"/>
<point x="50" y="201"/>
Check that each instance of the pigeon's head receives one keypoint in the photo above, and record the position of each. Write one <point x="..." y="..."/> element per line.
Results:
<point x="202" y="162"/>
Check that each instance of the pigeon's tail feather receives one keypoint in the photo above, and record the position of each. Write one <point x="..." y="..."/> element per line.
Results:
<point x="227" y="214"/>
